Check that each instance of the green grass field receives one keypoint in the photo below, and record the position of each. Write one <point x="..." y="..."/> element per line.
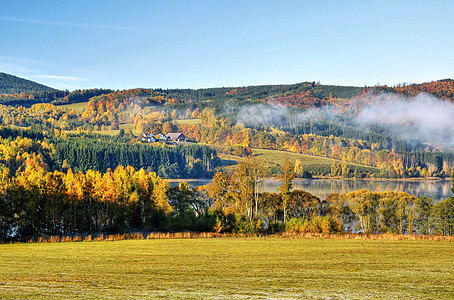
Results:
<point x="117" y="131"/>
<point x="257" y="268"/>
<point x="79" y="107"/>
<point x="278" y="157"/>
<point x="189" y="121"/>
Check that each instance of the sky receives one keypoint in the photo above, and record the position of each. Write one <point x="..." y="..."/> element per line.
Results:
<point x="216" y="43"/>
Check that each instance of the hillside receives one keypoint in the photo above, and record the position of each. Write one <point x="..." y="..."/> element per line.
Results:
<point x="245" y="117"/>
<point x="261" y="92"/>
<point x="443" y="89"/>
<point x="10" y="84"/>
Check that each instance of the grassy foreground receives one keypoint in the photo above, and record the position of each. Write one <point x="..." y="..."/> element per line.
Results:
<point x="272" y="268"/>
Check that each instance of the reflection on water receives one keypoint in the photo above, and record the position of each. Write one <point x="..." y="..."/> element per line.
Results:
<point x="435" y="189"/>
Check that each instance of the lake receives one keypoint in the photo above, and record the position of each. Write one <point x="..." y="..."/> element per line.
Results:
<point x="435" y="189"/>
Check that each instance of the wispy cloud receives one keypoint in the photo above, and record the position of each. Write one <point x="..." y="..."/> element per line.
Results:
<point x="81" y="25"/>
<point x="28" y="62"/>
<point x="69" y="78"/>
<point x="42" y="71"/>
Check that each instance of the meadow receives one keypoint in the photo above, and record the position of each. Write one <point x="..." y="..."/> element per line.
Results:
<point x="224" y="268"/>
<point x="189" y="121"/>
<point x="79" y="106"/>
<point x="279" y="157"/>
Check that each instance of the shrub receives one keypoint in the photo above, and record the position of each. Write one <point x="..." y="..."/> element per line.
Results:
<point x="275" y="227"/>
<point x="318" y="224"/>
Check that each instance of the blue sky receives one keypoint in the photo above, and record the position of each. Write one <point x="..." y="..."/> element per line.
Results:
<point x="193" y="44"/>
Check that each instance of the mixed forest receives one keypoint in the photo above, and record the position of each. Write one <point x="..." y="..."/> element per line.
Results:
<point x="71" y="170"/>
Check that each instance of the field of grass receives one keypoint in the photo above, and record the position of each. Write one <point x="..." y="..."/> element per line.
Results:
<point x="189" y="121"/>
<point x="278" y="157"/>
<point x="79" y="107"/>
<point x="117" y="131"/>
<point x="257" y="268"/>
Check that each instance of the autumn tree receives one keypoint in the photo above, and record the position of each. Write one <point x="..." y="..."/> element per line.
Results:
<point x="248" y="175"/>
<point x="195" y="113"/>
<point x="286" y="177"/>
<point x="299" y="169"/>
<point x="180" y="198"/>
<point x="218" y="190"/>
<point x="272" y="207"/>
<point x="338" y="208"/>
<point x="363" y="204"/>
<point x="400" y="212"/>
<point x="29" y="198"/>
<point x="443" y="216"/>
<point x="452" y="183"/>
<point x="160" y="197"/>
<point x="336" y="169"/>
<point x="174" y="114"/>
<point x="302" y="204"/>
<point x="166" y="128"/>
<point x="420" y="216"/>
<point x="6" y="204"/>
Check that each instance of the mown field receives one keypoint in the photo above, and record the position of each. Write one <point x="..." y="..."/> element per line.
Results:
<point x="79" y="107"/>
<point x="117" y="131"/>
<point x="278" y="157"/>
<point x="189" y="121"/>
<point x="257" y="268"/>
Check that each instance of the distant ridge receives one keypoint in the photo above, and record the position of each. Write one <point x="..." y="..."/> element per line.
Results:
<point x="10" y="84"/>
<point x="14" y="91"/>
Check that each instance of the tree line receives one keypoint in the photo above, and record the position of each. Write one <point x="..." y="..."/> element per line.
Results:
<point x="295" y="210"/>
<point x="182" y="161"/>
<point x="35" y="202"/>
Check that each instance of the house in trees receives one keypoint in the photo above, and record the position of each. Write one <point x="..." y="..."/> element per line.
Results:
<point x="161" y="136"/>
<point x="148" y="138"/>
<point x="176" y="137"/>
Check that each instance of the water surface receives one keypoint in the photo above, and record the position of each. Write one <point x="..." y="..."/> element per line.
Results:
<point x="435" y="189"/>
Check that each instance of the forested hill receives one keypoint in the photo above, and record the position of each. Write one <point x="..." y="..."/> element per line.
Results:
<point x="18" y="91"/>
<point x="10" y="84"/>
<point x="303" y="94"/>
<point x="263" y="91"/>
<point x="443" y="89"/>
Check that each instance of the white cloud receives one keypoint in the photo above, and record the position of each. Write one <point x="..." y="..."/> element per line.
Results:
<point x="69" y="78"/>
